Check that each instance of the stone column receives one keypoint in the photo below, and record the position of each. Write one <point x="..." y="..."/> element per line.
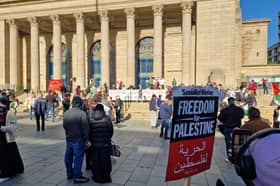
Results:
<point x="80" y="51"/>
<point x="35" y="62"/>
<point x="57" y="69"/>
<point x="105" y="47"/>
<point x="13" y="54"/>
<point x="130" y="26"/>
<point x="158" y="65"/>
<point x="187" y="75"/>
<point x="3" y="49"/>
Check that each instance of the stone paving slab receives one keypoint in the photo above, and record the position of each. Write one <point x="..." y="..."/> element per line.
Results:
<point x="143" y="161"/>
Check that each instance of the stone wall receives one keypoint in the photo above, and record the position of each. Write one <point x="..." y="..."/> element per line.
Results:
<point x="216" y="41"/>
<point x="254" y="46"/>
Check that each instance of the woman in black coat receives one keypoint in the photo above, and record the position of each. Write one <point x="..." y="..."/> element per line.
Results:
<point x="10" y="160"/>
<point x="101" y="132"/>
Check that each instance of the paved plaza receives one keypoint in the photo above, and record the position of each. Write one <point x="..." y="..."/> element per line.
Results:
<point x="143" y="160"/>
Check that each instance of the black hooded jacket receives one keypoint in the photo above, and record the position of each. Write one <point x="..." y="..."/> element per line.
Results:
<point x="100" y="128"/>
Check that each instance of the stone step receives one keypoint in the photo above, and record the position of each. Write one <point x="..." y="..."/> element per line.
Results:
<point x="139" y="111"/>
<point x="139" y="115"/>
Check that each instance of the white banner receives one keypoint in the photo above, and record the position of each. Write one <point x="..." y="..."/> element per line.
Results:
<point x="133" y="95"/>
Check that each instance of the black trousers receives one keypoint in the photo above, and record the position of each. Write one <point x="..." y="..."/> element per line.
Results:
<point x="265" y="90"/>
<point x="42" y="116"/>
<point x="276" y="124"/>
<point x="10" y="160"/>
<point x="101" y="165"/>
<point x="88" y="153"/>
<point x="118" y="115"/>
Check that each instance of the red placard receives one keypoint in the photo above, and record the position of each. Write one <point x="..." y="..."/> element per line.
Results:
<point x="55" y="84"/>
<point x="189" y="158"/>
<point x="192" y="132"/>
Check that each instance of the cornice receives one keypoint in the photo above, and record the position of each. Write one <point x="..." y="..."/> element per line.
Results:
<point x="263" y="20"/>
<point x="9" y="3"/>
<point x="46" y="7"/>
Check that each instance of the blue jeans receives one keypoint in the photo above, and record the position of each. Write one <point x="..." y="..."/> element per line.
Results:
<point x="74" y="152"/>
<point x="30" y="113"/>
<point x="227" y="133"/>
<point x="164" y="125"/>
<point x="50" y="108"/>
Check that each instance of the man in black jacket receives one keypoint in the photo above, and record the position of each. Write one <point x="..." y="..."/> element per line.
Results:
<point x="231" y="117"/>
<point x="76" y="125"/>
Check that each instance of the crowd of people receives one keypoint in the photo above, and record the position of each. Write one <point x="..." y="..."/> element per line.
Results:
<point x="87" y="121"/>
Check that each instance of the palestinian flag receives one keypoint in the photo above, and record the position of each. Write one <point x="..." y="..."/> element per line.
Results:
<point x="276" y="92"/>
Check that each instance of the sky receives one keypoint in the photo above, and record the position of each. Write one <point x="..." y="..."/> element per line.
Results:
<point x="252" y="9"/>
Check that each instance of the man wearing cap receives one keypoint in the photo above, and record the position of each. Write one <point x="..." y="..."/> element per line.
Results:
<point x="230" y="117"/>
<point x="76" y="125"/>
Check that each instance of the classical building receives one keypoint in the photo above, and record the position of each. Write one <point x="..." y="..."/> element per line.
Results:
<point x="129" y="40"/>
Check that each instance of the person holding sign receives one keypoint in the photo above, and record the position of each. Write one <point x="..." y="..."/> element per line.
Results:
<point x="165" y="112"/>
<point x="230" y="117"/>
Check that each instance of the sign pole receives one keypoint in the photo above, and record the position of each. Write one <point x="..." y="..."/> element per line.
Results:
<point x="188" y="181"/>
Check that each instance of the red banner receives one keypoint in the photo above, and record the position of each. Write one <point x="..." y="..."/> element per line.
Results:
<point x="192" y="131"/>
<point x="55" y="84"/>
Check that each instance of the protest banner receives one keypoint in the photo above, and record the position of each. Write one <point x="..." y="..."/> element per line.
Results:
<point x="55" y="84"/>
<point x="192" y="132"/>
<point x="133" y="95"/>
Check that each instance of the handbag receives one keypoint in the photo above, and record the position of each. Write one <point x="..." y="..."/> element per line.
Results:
<point x="115" y="149"/>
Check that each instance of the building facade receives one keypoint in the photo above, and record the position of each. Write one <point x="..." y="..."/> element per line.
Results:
<point x="274" y="54"/>
<point x="274" y="50"/>
<point x="129" y="41"/>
